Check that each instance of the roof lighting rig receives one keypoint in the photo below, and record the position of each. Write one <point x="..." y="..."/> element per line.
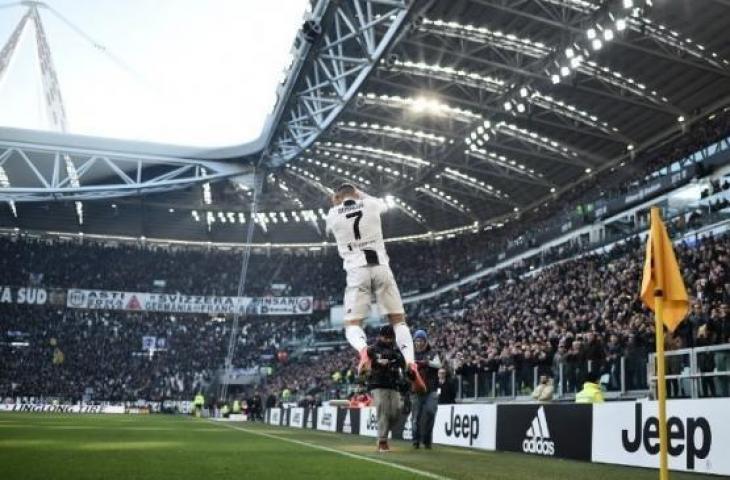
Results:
<point x="474" y="183"/>
<point x="443" y="197"/>
<point x="528" y="95"/>
<point x="392" y="131"/>
<point x="358" y="163"/>
<point x="575" y="58"/>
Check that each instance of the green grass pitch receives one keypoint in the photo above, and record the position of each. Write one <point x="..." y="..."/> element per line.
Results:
<point x="75" y="447"/>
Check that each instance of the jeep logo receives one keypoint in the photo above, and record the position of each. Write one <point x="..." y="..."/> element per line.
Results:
<point x="462" y="426"/>
<point x="695" y="437"/>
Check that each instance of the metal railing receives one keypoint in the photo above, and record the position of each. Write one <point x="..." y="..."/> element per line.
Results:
<point x="691" y="373"/>
<point x="695" y="372"/>
<point x="624" y="376"/>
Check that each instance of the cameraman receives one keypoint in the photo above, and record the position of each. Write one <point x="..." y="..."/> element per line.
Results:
<point x="386" y="374"/>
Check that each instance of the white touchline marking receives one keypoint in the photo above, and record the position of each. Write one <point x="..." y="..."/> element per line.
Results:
<point x="423" y="473"/>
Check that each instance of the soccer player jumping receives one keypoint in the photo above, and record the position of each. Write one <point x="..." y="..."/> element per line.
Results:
<point x="354" y="219"/>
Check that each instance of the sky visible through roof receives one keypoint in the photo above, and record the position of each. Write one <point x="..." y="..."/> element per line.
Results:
<point x="185" y="72"/>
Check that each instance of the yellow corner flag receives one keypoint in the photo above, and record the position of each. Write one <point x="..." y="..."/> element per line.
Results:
<point x="662" y="276"/>
<point x="662" y="290"/>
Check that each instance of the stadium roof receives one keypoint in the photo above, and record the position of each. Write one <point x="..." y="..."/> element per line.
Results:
<point x="477" y="111"/>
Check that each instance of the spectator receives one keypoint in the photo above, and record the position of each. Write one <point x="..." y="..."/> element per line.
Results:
<point x="544" y="390"/>
<point x="591" y="392"/>
<point x="447" y="387"/>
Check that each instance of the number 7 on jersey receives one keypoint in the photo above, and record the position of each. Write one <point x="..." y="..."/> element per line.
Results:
<point x="356" y="226"/>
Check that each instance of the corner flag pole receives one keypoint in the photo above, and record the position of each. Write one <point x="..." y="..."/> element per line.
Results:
<point x="663" y="291"/>
<point x="661" y="386"/>
<point x="658" y="260"/>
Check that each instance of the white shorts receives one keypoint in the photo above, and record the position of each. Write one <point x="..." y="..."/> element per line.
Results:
<point x="362" y="283"/>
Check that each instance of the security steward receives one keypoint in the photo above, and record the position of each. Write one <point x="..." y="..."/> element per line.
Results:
<point x="198" y="404"/>
<point x="591" y="392"/>
<point x="425" y="404"/>
<point x="386" y="376"/>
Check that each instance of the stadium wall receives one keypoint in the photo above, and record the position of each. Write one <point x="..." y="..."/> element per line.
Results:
<point x="622" y="433"/>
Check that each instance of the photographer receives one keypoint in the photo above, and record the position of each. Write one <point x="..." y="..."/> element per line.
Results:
<point x="386" y="374"/>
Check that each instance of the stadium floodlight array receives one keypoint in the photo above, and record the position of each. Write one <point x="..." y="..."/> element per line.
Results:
<point x="672" y="38"/>
<point x="395" y="202"/>
<point x="472" y="182"/>
<point x="388" y="155"/>
<point x="636" y="19"/>
<point x="527" y="94"/>
<point x="360" y="163"/>
<point x="469" y="117"/>
<point x="477" y="138"/>
<point x="337" y="170"/>
<point x="451" y="74"/>
<point x="288" y="193"/>
<point x="391" y="131"/>
<point x="503" y="162"/>
<point x="5" y="183"/>
<point x="420" y="105"/>
<point x="534" y="138"/>
<point x="525" y="46"/>
<point x="560" y="107"/>
<point x="309" y="178"/>
<point x="601" y="33"/>
<point x="207" y="197"/>
<point x="443" y="197"/>
<point x="275" y="217"/>
<point x="262" y="221"/>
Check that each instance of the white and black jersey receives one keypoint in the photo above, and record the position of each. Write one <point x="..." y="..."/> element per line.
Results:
<point x="358" y="231"/>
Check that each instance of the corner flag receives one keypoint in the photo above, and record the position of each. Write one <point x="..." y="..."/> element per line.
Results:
<point x="662" y="291"/>
<point x="662" y="276"/>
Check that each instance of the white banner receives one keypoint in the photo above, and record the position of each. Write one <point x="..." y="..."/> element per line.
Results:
<point x="327" y="419"/>
<point x="699" y="434"/>
<point x="466" y="425"/>
<point x="49" y="408"/>
<point x="27" y="296"/>
<point x="337" y="315"/>
<point x="178" y="303"/>
<point x="296" y="417"/>
<point x="275" y="416"/>
<point x="368" y="422"/>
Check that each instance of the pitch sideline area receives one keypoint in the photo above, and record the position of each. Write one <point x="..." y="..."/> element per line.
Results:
<point x="42" y="446"/>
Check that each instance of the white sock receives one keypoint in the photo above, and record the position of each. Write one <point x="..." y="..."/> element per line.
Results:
<point x="405" y="341"/>
<point x="356" y="336"/>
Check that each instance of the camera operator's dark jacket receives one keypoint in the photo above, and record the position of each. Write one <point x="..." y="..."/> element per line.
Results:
<point x="387" y="366"/>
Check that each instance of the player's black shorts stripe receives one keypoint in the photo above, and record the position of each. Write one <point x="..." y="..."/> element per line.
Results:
<point x="371" y="256"/>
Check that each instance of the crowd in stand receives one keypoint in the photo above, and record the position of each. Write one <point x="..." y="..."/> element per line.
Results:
<point x="557" y="320"/>
<point x="580" y="314"/>
<point x="82" y="354"/>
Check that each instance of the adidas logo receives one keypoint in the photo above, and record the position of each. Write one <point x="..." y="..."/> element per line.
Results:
<point x="538" y="436"/>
